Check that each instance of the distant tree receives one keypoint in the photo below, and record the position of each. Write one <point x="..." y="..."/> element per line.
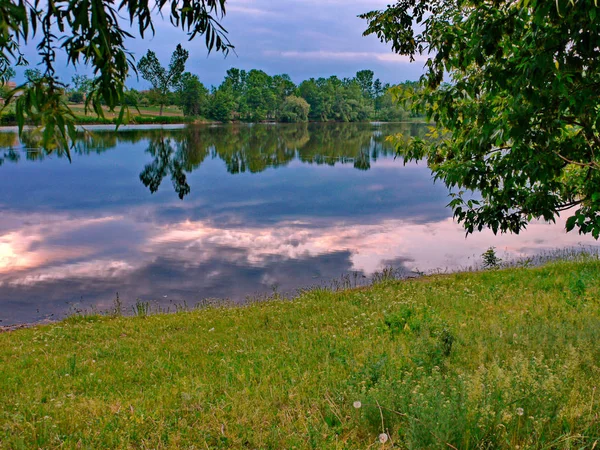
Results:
<point x="378" y="88"/>
<point x="311" y="91"/>
<point x="192" y="95"/>
<point x="294" y="109"/>
<point x="220" y="106"/>
<point x="260" y="96"/>
<point x="365" y="80"/>
<point x="132" y="97"/>
<point x="163" y="80"/>
<point x="389" y="109"/>
<point x="82" y="83"/>
<point x="6" y="74"/>
<point x="76" y="97"/>
<point x="33" y="75"/>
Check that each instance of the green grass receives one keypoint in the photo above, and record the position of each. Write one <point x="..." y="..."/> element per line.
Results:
<point x="495" y="359"/>
<point x="146" y="115"/>
<point x="79" y="109"/>
<point x="135" y="120"/>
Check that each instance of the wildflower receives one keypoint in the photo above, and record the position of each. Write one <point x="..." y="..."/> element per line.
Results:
<point x="357" y="404"/>
<point x="520" y="411"/>
<point x="212" y="329"/>
<point x="383" y="437"/>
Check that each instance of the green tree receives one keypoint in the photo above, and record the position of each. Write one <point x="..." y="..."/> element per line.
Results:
<point x="33" y="76"/>
<point x="192" y="95"/>
<point x="388" y="109"/>
<point x="82" y="83"/>
<point x="294" y="109"/>
<point x="163" y="80"/>
<point x="132" y="97"/>
<point x="233" y="89"/>
<point x="519" y="119"/>
<point x="309" y="90"/>
<point x="260" y="96"/>
<point x="91" y="33"/>
<point x="82" y="86"/>
<point x="76" y="97"/>
<point x="6" y="74"/>
<point x="365" y="79"/>
<point x="220" y="106"/>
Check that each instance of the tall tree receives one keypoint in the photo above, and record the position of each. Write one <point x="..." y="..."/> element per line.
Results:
<point x="163" y="80"/>
<point x="519" y="120"/>
<point x="82" y="83"/>
<point x="366" y="82"/>
<point x="192" y="95"/>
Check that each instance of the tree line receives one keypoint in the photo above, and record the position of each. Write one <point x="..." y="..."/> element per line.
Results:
<point x="255" y="96"/>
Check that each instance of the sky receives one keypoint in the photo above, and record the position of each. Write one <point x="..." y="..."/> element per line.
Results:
<point x="303" y="38"/>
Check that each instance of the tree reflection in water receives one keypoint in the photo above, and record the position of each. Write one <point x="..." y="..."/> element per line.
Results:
<point x="243" y="148"/>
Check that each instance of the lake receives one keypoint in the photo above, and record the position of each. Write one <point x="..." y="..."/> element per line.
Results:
<point x="183" y="214"/>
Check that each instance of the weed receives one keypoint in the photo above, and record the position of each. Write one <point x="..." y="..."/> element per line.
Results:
<point x="117" y="306"/>
<point x="490" y="259"/>
<point x="141" y="309"/>
<point x="386" y="274"/>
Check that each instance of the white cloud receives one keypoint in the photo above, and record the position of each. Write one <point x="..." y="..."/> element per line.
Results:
<point x="251" y="11"/>
<point x="343" y="56"/>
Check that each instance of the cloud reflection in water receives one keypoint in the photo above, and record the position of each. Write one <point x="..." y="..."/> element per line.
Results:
<point x="78" y="233"/>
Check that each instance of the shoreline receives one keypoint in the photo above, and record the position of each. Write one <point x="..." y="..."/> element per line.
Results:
<point x="124" y="127"/>
<point x="567" y="255"/>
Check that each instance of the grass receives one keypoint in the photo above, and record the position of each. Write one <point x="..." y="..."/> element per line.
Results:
<point x="493" y="359"/>
<point x="145" y="115"/>
<point x="79" y="109"/>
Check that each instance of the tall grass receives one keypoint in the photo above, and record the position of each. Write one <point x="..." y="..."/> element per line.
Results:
<point x="494" y="359"/>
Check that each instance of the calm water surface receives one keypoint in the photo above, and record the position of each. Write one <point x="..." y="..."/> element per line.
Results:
<point x="174" y="215"/>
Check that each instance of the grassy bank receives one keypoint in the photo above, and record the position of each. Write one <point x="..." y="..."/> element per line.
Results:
<point x="497" y="359"/>
<point x="143" y="116"/>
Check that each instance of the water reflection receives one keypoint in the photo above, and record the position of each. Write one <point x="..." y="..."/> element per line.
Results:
<point x="75" y="234"/>
<point x="243" y="149"/>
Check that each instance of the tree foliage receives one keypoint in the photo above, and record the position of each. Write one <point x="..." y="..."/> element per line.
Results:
<point x="163" y="79"/>
<point x="519" y="119"/>
<point x="255" y="96"/>
<point x="82" y="83"/>
<point x="89" y="32"/>
<point x="294" y="109"/>
<point x="192" y="95"/>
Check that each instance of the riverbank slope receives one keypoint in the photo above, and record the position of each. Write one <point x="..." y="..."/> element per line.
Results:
<point x="491" y="359"/>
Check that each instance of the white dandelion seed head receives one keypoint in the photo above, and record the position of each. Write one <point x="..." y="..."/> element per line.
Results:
<point x="357" y="404"/>
<point x="383" y="437"/>
<point x="520" y="411"/>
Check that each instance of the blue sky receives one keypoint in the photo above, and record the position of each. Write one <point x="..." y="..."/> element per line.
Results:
<point x="303" y="38"/>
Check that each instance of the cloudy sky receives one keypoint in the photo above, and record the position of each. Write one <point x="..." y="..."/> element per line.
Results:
<point x="303" y="38"/>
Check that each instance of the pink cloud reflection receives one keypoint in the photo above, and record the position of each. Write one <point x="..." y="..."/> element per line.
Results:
<point x="27" y="255"/>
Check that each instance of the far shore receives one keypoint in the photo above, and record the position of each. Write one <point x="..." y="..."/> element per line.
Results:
<point x="173" y="126"/>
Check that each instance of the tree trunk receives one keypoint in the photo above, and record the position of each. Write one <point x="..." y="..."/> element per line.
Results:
<point x="161" y="109"/>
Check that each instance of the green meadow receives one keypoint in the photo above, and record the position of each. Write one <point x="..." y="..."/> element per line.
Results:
<point x="492" y="359"/>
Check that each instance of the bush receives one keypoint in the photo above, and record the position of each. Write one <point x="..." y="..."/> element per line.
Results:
<point x="76" y="97"/>
<point x="294" y="109"/>
<point x="8" y="118"/>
